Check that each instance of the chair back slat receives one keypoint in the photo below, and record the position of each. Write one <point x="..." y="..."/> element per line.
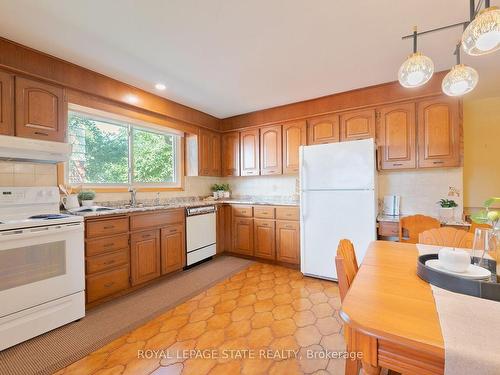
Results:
<point x="474" y="226"/>
<point x="347" y="266"/>
<point x="411" y="226"/>
<point x="447" y="236"/>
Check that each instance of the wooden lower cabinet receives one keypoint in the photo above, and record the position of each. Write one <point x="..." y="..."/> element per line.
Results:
<point x="264" y="238"/>
<point x="224" y="230"/>
<point x="243" y="236"/>
<point x="145" y="256"/>
<point x="105" y="284"/>
<point x="173" y="251"/>
<point x="287" y="241"/>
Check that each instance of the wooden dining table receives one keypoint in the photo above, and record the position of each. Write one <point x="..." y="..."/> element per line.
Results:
<point x="390" y="316"/>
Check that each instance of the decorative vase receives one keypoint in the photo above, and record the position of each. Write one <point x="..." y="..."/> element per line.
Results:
<point x="446" y="214"/>
<point x="87" y="203"/>
<point x="227" y="194"/>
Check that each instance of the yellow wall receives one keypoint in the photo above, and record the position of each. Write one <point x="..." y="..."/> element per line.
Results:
<point x="481" y="150"/>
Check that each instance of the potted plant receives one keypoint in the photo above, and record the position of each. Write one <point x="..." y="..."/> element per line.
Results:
<point x="447" y="209"/>
<point x="487" y="215"/>
<point x="86" y="197"/>
<point x="226" y="193"/>
<point x="217" y="191"/>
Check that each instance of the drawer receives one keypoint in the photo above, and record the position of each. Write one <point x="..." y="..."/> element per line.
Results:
<point x="242" y="211"/>
<point x="171" y="229"/>
<point x="106" y="261"/>
<point x="106" y="245"/>
<point x="263" y="212"/>
<point x="388" y="229"/>
<point x="107" y="283"/>
<point x="287" y="213"/>
<point x="98" y="228"/>
<point x="156" y="219"/>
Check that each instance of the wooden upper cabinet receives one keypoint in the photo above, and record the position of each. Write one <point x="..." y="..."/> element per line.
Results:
<point x="231" y="154"/>
<point x="40" y="110"/>
<point x="270" y="150"/>
<point x="356" y="125"/>
<point x="294" y="136"/>
<point x="438" y="133"/>
<point x="396" y="137"/>
<point x="209" y="153"/>
<point x="6" y="103"/>
<point x="249" y="152"/>
<point x="215" y="156"/>
<point x="324" y="129"/>
<point x="145" y="256"/>
<point x="204" y="152"/>
<point x="172" y="248"/>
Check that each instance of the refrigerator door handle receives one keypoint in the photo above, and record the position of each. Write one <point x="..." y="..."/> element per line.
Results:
<point x="303" y="206"/>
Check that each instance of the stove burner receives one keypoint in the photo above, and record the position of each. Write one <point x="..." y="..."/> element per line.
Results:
<point x="48" y="216"/>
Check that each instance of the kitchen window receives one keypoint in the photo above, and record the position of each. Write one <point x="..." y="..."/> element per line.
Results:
<point x="110" y="152"/>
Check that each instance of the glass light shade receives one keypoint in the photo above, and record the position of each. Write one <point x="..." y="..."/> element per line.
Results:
<point x="482" y="35"/>
<point x="460" y="80"/>
<point x="416" y="70"/>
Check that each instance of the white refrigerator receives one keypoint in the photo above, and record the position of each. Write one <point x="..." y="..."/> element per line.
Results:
<point x="338" y="200"/>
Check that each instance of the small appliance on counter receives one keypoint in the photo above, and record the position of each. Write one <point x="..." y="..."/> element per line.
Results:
<point x="391" y="205"/>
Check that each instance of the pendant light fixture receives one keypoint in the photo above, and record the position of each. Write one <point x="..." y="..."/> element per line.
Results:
<point x="482" y="35"/>
<point x="417" y="69"/>
<point x="461" y="79"/>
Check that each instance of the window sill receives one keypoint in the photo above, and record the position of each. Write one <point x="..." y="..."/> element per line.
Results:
<point x="120" y="189"/>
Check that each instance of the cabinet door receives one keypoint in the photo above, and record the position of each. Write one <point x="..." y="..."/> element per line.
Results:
<point x="215" y="155"/>
<point x="287" y="242"/>
<point x="264" y="238"/>
<point x="204" y="152"/>
<point x="438" y="133"/>
<point x="6" y="104"/>
<point x="357" y="125"/>
<point x="324" y="129"/>
<point x="231" y="154"/>
<point x="223" y="228"/>
<point x="249" y="156"/>
<point x="40" y="110"/>
<point x="396" y="136"/>
<point x="173" y="252"/>
<point x="270" y="150"/>
<point x="243" y="235"/>
<point x="145" y="256"/>
<point x="294" y="136"/>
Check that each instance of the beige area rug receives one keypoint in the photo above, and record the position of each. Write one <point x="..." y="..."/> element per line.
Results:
<point x="56" y="349"/>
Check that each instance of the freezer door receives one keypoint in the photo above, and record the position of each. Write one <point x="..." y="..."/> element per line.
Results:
<point x="338" y="166"/>
<point x="326" y="218"/>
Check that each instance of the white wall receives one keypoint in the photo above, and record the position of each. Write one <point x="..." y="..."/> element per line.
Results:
<point x="420" y="189"/>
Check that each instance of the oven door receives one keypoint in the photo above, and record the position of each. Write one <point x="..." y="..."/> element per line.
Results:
<point x="41" y="264"/>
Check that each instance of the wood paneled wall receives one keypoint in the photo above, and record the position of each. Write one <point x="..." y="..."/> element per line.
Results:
<point x="23" y="60"/>
<point x="391" y="92"/>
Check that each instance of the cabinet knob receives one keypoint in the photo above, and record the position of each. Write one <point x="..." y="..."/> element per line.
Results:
<point x="438" y="162"/>
<point x="109" y="285"/>
<point x="397" y="164"/>
<point x="108" y="226"/>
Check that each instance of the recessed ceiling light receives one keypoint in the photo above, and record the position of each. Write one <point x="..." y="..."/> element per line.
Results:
<point x="160" y="86"/>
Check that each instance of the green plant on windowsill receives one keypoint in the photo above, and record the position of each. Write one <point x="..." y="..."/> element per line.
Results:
<point x="86" y="195"/>
<point x="447" y="203"/>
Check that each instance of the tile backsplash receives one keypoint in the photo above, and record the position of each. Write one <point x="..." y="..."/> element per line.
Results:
<point x="420" y="189"/>
<point x="27" y="174"/>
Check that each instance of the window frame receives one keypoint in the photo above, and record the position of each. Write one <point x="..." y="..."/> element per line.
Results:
<point x="130" y="124"/>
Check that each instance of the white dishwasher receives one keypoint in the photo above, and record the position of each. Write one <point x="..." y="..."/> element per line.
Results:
<point x="201" y="233"/>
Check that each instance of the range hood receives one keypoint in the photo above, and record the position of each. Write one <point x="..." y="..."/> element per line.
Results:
<point x="26" y="149"/>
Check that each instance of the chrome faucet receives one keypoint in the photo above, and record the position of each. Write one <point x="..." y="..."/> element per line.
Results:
<point x="133" y="198"/>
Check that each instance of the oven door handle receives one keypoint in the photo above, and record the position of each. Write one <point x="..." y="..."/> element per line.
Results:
<point x="38" y="231"/>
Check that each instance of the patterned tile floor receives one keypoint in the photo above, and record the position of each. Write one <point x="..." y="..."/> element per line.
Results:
<point x="263" y="320"/>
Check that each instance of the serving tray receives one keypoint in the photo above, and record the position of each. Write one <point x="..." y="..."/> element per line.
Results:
<point x="488" y="289"/>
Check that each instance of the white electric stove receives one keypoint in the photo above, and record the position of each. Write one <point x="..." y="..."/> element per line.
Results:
<point x="42" y="279"/>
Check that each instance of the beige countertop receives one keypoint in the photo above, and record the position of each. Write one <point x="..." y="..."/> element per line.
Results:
<point x="120" y="209"/>
<point x="395" y="219"/>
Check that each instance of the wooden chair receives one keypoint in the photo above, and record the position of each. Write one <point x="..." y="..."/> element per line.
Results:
<point x="411" y="226"/>
<point x="474" y="226"/>
<point x="347" y="266"/>
<point x="447" y="236"/>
